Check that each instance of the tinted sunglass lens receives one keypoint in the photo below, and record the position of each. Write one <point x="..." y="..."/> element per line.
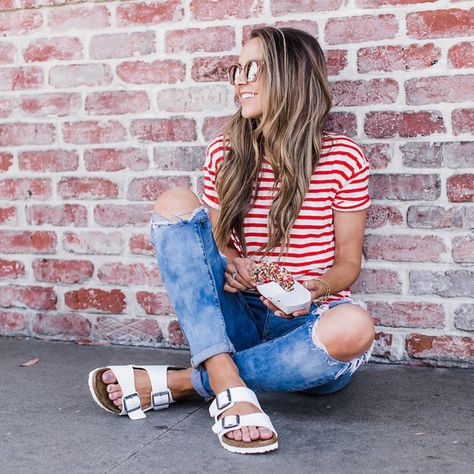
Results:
<point x="252" y="71"/>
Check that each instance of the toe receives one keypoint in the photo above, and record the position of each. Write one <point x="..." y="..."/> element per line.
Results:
<point x="245" y="434"/>
<point x="237" y="435"/>
<point x="265" y="433"/>
<point x="254" y="433"/>
<point x="108" y="377"/>
<point x="118" y="402"/>
<point x="230" y="435"/>
<point x="113" y="387"/>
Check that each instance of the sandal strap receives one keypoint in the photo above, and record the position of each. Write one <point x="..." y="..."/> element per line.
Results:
<point x="235" y="422"/>
<point x="228" y="398"/>
<point x="160" y="393"/>
<point x="131" y="405"/>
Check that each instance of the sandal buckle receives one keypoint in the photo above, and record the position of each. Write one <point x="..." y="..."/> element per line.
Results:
<point x="231" y="421"/>
<point x="226" y="403"/>
<point x="131" y="402"/>
<point x="160" y="399"/>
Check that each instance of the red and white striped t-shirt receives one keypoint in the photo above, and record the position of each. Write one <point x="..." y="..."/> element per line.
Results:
<point x="339" y="182"/>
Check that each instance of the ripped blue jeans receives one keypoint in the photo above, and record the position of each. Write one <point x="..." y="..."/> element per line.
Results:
<point x="271" y="353"/>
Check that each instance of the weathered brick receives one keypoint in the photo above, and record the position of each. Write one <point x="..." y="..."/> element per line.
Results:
<point x="436" y="89"/>
<point x="50" y="104"/>
<point x="87" y="188"/>
<point x="284" y="7"/>
<point x="168" y="71"/>
<point x="310" y="26"/>
<point x="60" y="215"/>
<point x="62" y="48"/>
<point x="360" y="92"/>
<point x="461" y="188"/>
<point x="398" y="58"/>
<point x="448" y="284"/>
<point x="342" y="122"/>
<point x="407" y="314"/>
<point x="7" y="53"/>
<point x="93" y="131"/>
<point x="463" y="249"/>
<point x="23" y="241"/>
<point x="11" y="269"/>
<point x="212" y="68"/>
<point x="62" y="324"/>
<point x="380" y="215"/>
<point x="407" y="187"/>
<point x="154" y="303"/>
<point x="440" y="217"/>
<point x="48" y="160"/>
<point x="193" y="99"/>
<point x="24" y="188"/>
<point x="461" y="55"/>
<point x="175" y="335"/>
<point x="130" y="274"/>
<point x="122" y="45"/>
<point x="181" y="158"/>
<point x="381" y="3"/>
<point x="378" y="154"/>
<point x="87" y="299"/>
<point x="117" y="102"/>
<point x="128" y="331"/>
<point x="120" y="215"/>
<point x="8" y="215"/>
<point x="20" y="78"/>
<point x="115" y="159"/>
<point x="62" y="271"/>
<point x="11" y="323"/>
<point x="214" y="126"/>
<point x="6" y="160"/>
<point x="192" y="40"/>
<point x="20" y="134"/>
<point x="436" y="155"/>
<point x="148" y="189"/>
<point x="203" y="10"/>
<point x="79" y="18"/>
<point x="149" y="13"/>
<point x="140" y="245"/>
<point x="386" y="124"/>
<point x="336" y="61"/>
<point x="7" y="106"/>
<point x="377" y="281"/>
<point x="464" y="317"/>
<point x="164" y="130"/>
<point x="450" y="348"/>
<point x="35" y="297"/>
<point x="383" y="345"/>
<point x="463" y="121"/>
<point x="75" y="75"/>
<point x="21" y="22"/>
<point x="93" y="243"/>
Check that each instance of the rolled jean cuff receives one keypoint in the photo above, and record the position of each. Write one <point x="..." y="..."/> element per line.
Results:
<point x="196" y="381"/>
<point x="221" y="348"/>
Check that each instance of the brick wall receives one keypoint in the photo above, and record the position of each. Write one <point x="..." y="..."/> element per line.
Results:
<point x="104" y="105"/>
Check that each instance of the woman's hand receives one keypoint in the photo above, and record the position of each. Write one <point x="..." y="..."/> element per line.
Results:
<point x="237" y="275"/>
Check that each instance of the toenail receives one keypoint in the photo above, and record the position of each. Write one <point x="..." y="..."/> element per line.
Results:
<point x="108" y="376"/>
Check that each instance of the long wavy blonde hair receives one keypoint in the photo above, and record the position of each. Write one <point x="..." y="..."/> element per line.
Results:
<point x="296" y="102"/>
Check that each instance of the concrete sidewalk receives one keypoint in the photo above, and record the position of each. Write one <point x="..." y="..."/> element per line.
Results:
<point x="390" y="419"/>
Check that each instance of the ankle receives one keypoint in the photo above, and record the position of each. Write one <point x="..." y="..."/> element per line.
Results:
<point x="179" y="383"/>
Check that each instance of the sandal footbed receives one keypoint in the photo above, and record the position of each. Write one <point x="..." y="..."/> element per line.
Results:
<point x="249" y="444"/>
<point x="100" y="389"/>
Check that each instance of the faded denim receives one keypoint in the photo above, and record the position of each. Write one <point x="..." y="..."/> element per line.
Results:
<point x="272" y="353"/>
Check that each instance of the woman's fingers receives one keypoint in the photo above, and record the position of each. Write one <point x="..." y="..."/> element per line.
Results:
<point x="233" y="281"/>
<point x="278" y="312"/>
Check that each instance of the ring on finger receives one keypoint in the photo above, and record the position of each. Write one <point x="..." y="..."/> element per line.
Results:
<point x="234" y="275"/>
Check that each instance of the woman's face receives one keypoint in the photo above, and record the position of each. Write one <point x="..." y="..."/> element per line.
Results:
<point x="250" y="94"/>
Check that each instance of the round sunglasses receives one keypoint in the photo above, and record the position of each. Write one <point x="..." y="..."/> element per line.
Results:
<point x="251" y="71"/>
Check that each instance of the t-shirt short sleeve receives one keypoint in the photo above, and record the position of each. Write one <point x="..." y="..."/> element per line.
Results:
<point x="353" y="195"/>
<point x="214" y="157"/>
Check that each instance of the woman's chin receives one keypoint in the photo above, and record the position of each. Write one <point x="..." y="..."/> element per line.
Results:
<point x="250" y="114"/>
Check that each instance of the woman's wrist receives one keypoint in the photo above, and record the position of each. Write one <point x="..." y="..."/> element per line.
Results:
<point x="323" y="289"/>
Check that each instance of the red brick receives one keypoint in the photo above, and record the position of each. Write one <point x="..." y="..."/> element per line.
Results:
<point x="433" y="90"/>
<point x="11" y="269"/>
<point x="356" y="29"/>
<point x="60" y="215"/>
<point x="154" y="303"/>
<point x="407" y="314"/>
<point x="115" y="159"/>
<point x="435" y="155"/>
<point x="381" y="3"/>
<point x="20" y="22"/>
<point x="377" y="281"/>
<point x="87" y="188"/>
<point x="203" y="10"/>
<point x="122" y="45"/>
<point x="336" y="61"/>
<point x="378" y="154"/>
<point x="48" y="160"/>
<point x="93" y="131"/>
<point x="440" y="23"/>
<point x="74" y="75"/>
<point x="463" y="249"/>
<point x="50" y="104"/>
<point x="63" y="324"/>
<point x="112" y="301"/>
<point x="441" y="217"/>
<point x="35" y="297"/>
<point x="404" y="248"/>
<point x="355" y="93"/>
<point x="192" y="40"/>
<point x="380" y="215"/>
<point x="149" y="13"/>
<point x="147" y="189"/>
<point x="93" y="243"/>
<point x="193" y="99"/>
<point x="14" y="134"/>
<point x="140" y="245"/>
<point x="79" y="18"/>
<point x="214" y="126"/>
<point x="450" y="348"/>
<point x="130" y="274"/>
<point x="310" y="26"/>
<point x="460" y="55"/>
<point x="128" y="331"/>
<point x="168" y="71"/>
<point x="117" y="102"/>
<point x="284" y="7"/>
<point x="175" y="335"/>
<point x="385" y="124"/>
<point x="212" y="68"/>
<point x="342" y="122"/>
<point x="8" y="215"/>
<point x="120" y="215"/>
<point x="19" y="78"/>
<point x="24" y="188"/>
<point x="398" y="58"/>
<point x="62" y="271"/>
<point x="164" y="130"/>
<point x="180" y="158"/>
<point x="7" y="53"/>
<point x="461" y="188"/>
<point x="464" y="317"/>
<point x="448" y="284"/>
<point x="11" y="323"/>
<point x="383" y="345"/>
<point x="463" y="121"/>
<point x="7" y="106"/>
<point x="407" y="187"/>
<point x="6" y="160"/>
<point x="62" y="48"/>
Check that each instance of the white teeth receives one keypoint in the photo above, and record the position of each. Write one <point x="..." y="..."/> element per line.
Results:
<point x="247" y="95"/>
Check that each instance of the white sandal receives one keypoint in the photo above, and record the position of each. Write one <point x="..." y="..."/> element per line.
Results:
<point x="226" y="400"/>
<point x="160" y="393"/>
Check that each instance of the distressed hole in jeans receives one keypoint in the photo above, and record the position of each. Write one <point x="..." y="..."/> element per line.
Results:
<point x="186" y="216"/>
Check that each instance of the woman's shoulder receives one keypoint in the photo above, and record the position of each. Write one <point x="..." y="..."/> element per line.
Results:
<point x="338" y="146"/>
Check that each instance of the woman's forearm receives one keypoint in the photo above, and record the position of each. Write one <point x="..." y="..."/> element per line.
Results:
<point x="339" y="277"/>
